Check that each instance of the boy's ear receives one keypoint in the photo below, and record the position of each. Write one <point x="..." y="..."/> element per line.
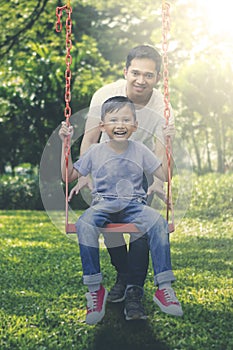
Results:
<point x="135" y="126"/>
<point x="101" y="126"/>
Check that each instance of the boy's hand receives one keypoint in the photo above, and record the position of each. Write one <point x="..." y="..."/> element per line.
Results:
<point x="65" y="131"/>
<point x="84" y="181"/>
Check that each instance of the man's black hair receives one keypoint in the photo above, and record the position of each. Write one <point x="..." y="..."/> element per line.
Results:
<point x="144" y="51"/>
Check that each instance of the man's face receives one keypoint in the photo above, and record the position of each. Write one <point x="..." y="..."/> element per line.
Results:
<point x="141" y="77"/>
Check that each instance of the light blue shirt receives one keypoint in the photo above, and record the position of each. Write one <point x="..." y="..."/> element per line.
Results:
<point x="117" y="175"/>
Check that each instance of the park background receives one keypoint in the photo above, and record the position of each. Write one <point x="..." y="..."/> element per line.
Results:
<point x="42" y="296"/>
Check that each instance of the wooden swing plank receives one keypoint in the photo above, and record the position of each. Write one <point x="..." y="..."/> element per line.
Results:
<point x="118" y="228"/>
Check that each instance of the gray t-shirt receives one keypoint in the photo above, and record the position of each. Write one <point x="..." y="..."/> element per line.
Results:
<point x="117" y="175"/>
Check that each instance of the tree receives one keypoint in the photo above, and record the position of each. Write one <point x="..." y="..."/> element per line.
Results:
<point x="206" y="109"/>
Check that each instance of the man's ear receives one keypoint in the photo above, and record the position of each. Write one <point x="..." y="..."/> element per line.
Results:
<point x="101" y="126"/>
<point x="125" y="72"/>
<point x="158" y="77"/>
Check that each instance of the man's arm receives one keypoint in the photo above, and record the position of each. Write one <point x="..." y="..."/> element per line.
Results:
<point x="91" y="135"/>
<point x="160" y="152"/>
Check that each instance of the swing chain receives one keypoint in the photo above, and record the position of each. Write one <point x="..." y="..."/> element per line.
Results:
<point x="59" y="11"/>
<point x="165" y="32"/>
<point x="67" y="110"/>
<point x="166" y="29"/>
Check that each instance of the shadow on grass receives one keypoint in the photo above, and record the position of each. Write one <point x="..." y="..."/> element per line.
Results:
<point x="115" y="333"/>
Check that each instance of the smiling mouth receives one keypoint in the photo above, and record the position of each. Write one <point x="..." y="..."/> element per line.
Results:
<point x="139" y="88"/>
<point x="120" y="133"/>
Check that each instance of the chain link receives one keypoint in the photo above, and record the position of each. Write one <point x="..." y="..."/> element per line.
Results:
<point x="167" y="112"/>
<point x="166" y="29"/>
<point x="68" y="75"/>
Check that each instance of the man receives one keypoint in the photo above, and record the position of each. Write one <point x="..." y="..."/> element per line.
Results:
<point x="142" y="73"/>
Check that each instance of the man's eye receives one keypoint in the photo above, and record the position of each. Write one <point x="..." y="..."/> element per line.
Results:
<point x="149" y="75"/>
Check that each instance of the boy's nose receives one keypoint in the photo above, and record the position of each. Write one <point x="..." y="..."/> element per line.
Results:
<point x="120" y="123"/>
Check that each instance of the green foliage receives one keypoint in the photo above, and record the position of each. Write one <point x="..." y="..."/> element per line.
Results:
<point x="212" y="196"/>
<point x="33" y="65"/>
<point x="32" y="80"/>
<point x="20" y="192"/>
<point x="43" y="299"/>
<point x="206" y="123"/>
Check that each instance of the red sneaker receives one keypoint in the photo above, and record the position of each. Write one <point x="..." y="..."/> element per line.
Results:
<point x="167" y="301"/>
<point x="96" y="305"/>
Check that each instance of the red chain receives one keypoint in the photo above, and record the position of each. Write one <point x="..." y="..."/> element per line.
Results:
<point x="67" y="111"/>
<point x="165" y="31"/>
<point x="59" y="10"/>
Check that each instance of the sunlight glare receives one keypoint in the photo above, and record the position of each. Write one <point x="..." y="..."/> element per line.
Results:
<point x="219" y="16"/>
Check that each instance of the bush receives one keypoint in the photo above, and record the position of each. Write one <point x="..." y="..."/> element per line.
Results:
<point x="212" y="196"/>
<point x="20" y="192"/>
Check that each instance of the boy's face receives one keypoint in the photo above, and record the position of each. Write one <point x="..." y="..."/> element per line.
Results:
<point x="120" y="124"/>
<point x="141" y="78"/>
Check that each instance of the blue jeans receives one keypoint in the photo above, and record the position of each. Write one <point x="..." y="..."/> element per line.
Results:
<point x="152" y="226"/>
<point x="136" y="271"/>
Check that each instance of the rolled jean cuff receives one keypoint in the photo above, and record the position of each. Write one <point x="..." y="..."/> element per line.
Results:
<point x="92" y="279"/>
<point x="165" y="276"/>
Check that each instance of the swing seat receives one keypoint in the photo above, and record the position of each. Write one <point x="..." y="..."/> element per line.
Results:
<point x="118" y="228"/>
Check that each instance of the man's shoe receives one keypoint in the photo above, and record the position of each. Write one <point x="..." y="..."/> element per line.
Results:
<point x="167" y="301"/>
<point x="134" y="309"/>
<point x="117" y="292"/>
<point x="96" y="305"/>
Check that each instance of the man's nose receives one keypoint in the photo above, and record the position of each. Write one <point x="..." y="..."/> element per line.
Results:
<point x="141" y="79"/>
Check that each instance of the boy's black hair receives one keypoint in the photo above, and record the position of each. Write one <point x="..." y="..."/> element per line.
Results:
<point x="144" y="51"/>
<point x="115" y="103"/>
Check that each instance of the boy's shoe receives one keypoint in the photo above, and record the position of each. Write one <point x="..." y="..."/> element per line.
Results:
<point x="134" y="309"/>
<point x="167" y="301"/>
<point x="117" y="292"/>
<point x="96" y="305"/>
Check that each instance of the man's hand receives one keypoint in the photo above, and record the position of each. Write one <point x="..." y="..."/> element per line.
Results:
<point x="158" y="189"/>
<point x="84" y="181"/>
<point x="169" y="130"/>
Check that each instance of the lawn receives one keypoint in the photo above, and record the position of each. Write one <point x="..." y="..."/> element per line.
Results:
<point x="43" y="299"/>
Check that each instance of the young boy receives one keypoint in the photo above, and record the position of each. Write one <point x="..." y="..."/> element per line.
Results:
<point x="117" y="167"/>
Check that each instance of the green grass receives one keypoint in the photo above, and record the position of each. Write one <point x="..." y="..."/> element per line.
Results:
<point x="43" y="298"/>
